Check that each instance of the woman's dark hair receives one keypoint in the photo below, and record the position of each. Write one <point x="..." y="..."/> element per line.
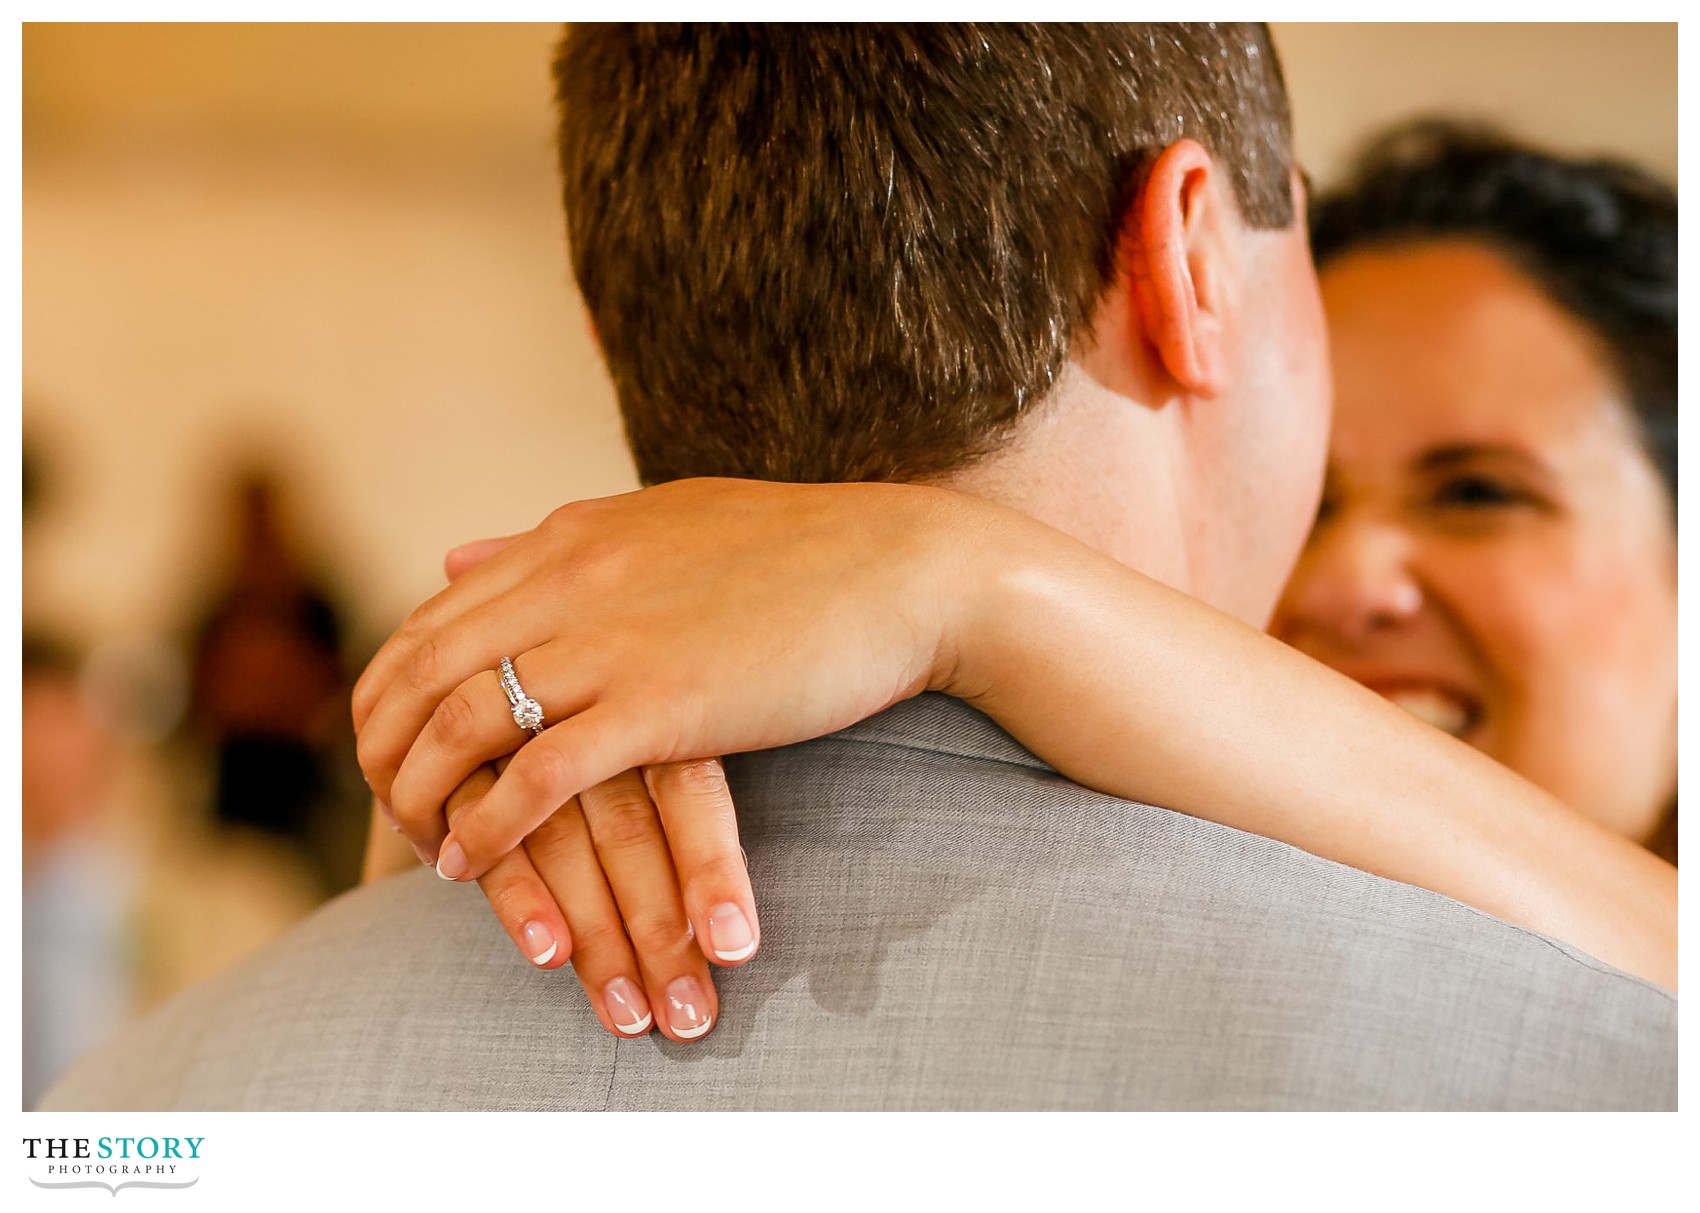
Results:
<point x="1597" y="235"/>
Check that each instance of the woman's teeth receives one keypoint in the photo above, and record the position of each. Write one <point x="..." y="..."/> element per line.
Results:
<point x="1443" y="711"/>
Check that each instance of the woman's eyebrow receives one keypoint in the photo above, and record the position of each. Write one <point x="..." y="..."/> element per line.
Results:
<point x="1454" y="454"/>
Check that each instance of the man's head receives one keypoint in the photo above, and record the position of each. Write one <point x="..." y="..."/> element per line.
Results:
<point x="871" y="253"/>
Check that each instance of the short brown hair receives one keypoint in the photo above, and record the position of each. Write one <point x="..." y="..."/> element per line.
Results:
<point x="861" y="253"/>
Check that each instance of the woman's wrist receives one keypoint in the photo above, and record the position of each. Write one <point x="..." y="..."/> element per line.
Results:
<point x="981" y="578"/>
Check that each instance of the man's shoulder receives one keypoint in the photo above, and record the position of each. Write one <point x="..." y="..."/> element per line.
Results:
<point x="932" y="775"/>
<point x="1191" y="950"/>
<point x="364" y="1004"/>
<point x="947" y="923"/>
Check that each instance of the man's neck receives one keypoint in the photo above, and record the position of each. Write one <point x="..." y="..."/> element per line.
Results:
<point x="1107" y="471"/>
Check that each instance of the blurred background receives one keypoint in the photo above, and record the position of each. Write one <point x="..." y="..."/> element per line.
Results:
<point x="297" y="319"/>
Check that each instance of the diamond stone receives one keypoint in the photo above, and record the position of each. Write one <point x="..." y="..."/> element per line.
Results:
<point x="528" y="714"/>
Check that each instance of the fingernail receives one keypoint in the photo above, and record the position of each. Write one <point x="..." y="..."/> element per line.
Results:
<point x="451" y="861"/>
<point x="425" y="857"/>
<point x="729" y="932"/>
<point x="687" y="1009"/>
<point x="627" y="1006"/>
<point x="540" y="943"/>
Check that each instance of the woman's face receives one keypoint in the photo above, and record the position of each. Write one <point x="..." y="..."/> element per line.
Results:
<point x="1494" y="551"/>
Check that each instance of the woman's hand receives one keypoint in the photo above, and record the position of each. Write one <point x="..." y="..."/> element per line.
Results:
<point x="619" y="864"/>
<point x="826" y="604"/>
<point x="600" y="883"/>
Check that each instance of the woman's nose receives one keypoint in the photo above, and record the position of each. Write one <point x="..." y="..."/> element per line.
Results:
<point x="1354" y="578"/>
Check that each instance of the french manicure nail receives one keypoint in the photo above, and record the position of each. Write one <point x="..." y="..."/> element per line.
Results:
<point x="627" y="1006"/>
<point x="540" y="943"/>
<point x="729" y="932"/>
<point x="451" y="861"/>
<point x="425" y="857"/>
<point x="687" y="1008"/>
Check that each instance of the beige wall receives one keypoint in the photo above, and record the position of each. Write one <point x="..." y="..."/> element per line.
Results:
<point x="341" y="243"/>
<point x="1579" y="88"/>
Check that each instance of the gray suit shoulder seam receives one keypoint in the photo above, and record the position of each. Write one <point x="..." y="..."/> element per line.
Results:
<point x="1571" y="953"/>
<point x="1033" y="763"/>
<point x="1030" y="763"/>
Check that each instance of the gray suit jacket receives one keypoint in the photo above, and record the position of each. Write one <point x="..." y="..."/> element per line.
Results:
<point x="947" y="924"/>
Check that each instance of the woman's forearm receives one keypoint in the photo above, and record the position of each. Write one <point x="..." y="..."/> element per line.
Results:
<point x="705" y="617"/>
<point x="1133" y="689"/>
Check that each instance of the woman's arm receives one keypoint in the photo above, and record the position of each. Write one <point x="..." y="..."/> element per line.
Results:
<point x="1134" y="689"/>
<point x="715" y="616"/>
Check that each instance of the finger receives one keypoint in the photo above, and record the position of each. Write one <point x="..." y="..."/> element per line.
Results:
<point x="467" y="793"/>
<point x="472" y="725"/>
<point x="561" y="851"/>
<point x="523" y="904"/>
<point x="442" y="660"/>
<point x="633" y="852"/>
<point x="582" y="750"/>
<point x="412" y="652"/>
<point x="462" y="558"/>
<point x="696" y="812"/>
<point x="528" y="910"/>
<point x="540" y="568"/>
<point x="553" y="902"/>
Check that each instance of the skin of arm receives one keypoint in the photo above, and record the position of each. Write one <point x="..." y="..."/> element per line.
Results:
<point x="1136" y="690"/>
<point x="848" y="598"/>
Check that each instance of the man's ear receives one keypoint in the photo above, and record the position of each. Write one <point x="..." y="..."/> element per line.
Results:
<point x="1174" y="256"/>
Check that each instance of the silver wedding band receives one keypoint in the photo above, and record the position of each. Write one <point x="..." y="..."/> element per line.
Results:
<point x="528" y="713"/>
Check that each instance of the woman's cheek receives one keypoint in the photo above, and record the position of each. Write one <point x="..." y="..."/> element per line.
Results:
<point x="1516" y="604"/>
<point x="1582" y="645"/>
<point x="1512" y="601"/>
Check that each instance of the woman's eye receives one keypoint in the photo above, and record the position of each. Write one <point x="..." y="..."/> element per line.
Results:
<point x="1477" y="493"/>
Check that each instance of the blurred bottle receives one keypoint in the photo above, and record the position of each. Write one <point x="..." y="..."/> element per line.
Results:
<point x="269" y="688"/>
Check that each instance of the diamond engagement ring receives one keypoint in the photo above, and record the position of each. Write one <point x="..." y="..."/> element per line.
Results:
<point x="528" y="713"/>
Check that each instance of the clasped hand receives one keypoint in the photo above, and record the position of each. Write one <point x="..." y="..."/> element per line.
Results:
<point x="658" y="630"/>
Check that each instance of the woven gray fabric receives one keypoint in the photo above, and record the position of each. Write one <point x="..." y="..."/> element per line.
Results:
<point x="946" y="924"/>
